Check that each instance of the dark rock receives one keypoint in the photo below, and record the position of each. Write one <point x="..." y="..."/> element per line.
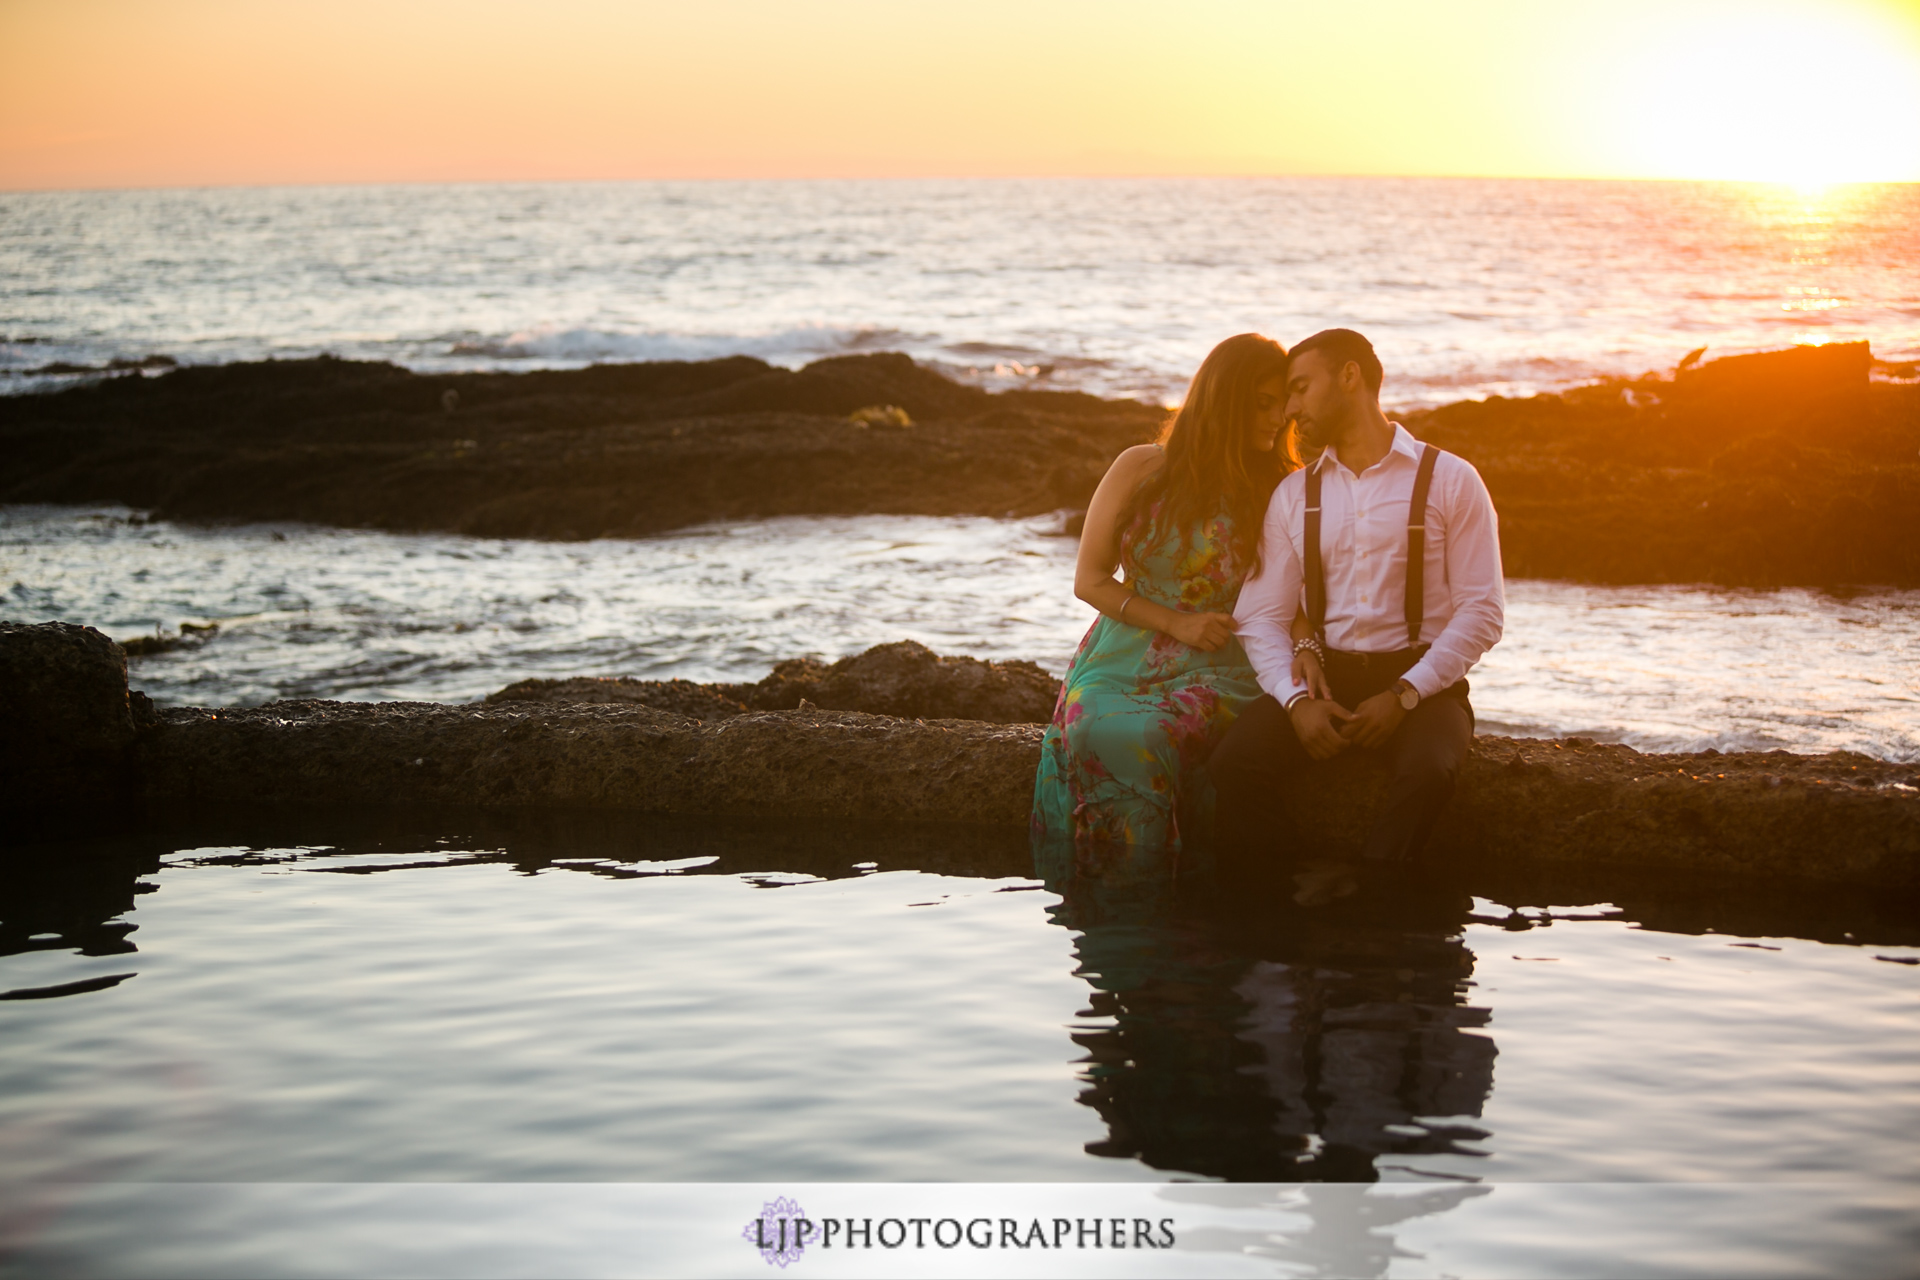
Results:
<point x="613" y="450"/>
<point x="799" y="764"/>
<point x="1797" y="375"/>
<point x="1837" y="817"/>
<point x="1780" y="468"/>
<point x="158" y="642"/>
<point x="910" y="680"/>
<point x="65" y="721"/>
<point x="903" y="679"/>
<point x="119" y="364"/>
<point x="70" y="732"/>
<point x="682" y="697"/>
<point x="141" y="646"/>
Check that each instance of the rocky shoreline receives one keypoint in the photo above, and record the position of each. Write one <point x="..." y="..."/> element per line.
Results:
<point x="1787" y="468"/>
<point x="79" y="742"/>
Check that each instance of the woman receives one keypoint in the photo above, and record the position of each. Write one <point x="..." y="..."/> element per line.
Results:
<point x="1160" y="675"/>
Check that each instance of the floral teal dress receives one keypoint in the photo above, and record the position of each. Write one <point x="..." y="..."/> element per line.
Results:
<point x="1139" y="712"/>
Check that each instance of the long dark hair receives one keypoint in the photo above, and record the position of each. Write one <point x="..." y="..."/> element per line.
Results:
<point x="1211" y="462"/>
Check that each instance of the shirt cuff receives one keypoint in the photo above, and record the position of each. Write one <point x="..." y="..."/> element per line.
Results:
<point x="1424" y="682"/>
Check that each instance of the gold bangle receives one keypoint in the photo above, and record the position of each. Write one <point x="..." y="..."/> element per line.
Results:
<point x="1131" y="597"/>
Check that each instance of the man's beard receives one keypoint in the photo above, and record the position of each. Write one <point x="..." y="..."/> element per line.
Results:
<point x="1318" y="432"/>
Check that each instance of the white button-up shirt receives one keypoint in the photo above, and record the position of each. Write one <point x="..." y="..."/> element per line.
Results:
<point x="1363" y="548"/>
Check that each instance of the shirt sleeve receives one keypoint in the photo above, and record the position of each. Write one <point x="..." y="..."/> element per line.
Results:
<point x="1263" y="618"/>
<point x="1474" y="581"/>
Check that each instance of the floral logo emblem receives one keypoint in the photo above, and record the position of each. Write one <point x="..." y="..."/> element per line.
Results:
<point x="777" y="1232"/>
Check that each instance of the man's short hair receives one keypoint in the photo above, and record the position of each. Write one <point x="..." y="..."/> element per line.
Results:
<point x="1340" y="346"/>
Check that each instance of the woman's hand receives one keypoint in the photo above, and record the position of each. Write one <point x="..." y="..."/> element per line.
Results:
<point x="1203" y="631"/>
<point x="1307" y="670"/>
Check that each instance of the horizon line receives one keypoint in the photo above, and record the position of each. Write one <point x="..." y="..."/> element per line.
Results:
<point x="319" y="183"/>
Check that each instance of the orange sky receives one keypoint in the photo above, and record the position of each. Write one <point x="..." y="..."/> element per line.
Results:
<point x="192" y="92"/>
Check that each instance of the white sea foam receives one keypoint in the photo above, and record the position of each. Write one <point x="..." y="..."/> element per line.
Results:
<point x="790" y="347"/>
<point x="344" y="613"/>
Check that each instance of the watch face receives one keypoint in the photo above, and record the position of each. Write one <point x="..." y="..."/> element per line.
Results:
<point x="1409" y="698"/>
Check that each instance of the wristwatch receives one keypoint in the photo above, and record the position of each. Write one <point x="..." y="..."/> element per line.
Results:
<point x="1409" y="696"/>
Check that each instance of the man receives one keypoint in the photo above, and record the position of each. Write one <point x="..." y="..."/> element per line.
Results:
<point x="1397" y="645"/>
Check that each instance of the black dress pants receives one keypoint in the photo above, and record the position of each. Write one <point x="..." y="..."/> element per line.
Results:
<point x="1253" y="828"/>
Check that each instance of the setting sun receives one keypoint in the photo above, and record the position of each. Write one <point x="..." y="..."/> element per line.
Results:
<point x="1790" y="94"/>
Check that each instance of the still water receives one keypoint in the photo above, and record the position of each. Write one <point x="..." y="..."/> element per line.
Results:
<point x="359" y="615"/>
<point x="542" y="998"/>
<point x="589" y="999"/>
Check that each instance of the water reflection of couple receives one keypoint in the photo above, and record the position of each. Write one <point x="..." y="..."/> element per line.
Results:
<point x="1268" y="618"/>
<point x="1274" y="1046"/>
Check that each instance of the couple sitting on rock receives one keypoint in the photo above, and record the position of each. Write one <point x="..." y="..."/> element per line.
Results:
<point x="1273" y="615"/>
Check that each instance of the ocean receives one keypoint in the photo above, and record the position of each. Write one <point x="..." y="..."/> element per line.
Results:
<point x="1468" y="287"/>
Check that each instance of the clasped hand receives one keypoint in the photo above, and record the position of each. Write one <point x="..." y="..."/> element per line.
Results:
<point x="1325" y="728"/>
<point x="1206" y="632"/>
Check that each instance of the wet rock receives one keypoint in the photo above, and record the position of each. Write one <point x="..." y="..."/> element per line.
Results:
<point x="1770" y="469"/>
<point x="682" y="697"/>
<point x="141" y="646"/>
<point x="910" y="680"/>
<point x="1778" y="468"/>
<point x="1840" y="816"/>
<point x="73" y="739"/>
<point x="903" y="679"/>
<point x="1836" y="817"/>
<point x="1797" y="376"/>
<point x="119" y="364"/>
<point x="613" y="450"/>
<point x="801" y="764"/>
<point x="65" y="720"/>
<point x="190" y="634"/>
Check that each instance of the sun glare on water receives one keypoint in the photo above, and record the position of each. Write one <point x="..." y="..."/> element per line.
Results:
<point x="1801" y="95"/>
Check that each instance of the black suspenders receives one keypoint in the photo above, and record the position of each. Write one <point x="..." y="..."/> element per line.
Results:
<point x="1316" y="572"/>
<point x="1417" y="545"/>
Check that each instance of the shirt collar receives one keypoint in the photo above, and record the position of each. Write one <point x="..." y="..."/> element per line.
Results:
<point x="1403" y="443"/>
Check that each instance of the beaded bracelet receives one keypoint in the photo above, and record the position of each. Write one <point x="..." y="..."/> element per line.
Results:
<point x="1313" y="646"/>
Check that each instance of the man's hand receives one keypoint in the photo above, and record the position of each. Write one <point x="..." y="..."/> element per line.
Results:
<point x="1375" y="721"/>
<point x="1317" y="723"/>
<point x="1206" y="632"/>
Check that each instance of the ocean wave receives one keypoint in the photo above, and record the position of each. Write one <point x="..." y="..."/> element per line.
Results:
<point x="795" y="345"/>
<point x="1464" y="284"/>
<point x="996" y="351"/>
